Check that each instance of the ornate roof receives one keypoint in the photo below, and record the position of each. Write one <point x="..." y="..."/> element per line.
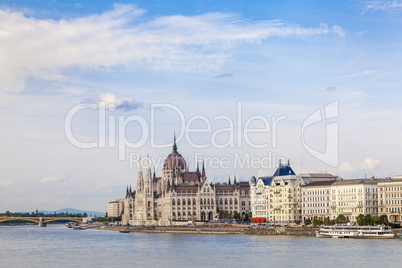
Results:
<point x="174" y="161"/>
<point x="284" y="170"/>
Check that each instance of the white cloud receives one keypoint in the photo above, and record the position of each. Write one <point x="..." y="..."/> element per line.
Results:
<point x="6" y="183"/>
<point x="42" y="49"/>
<point x="366" y="72"/>
<point x="382" y="5"/>
<point x="346" y="167"/>
<point x="369" y="164"/>
<point x="51" y="179"/>
<point x="125" y="103"/>
<point x="362" y="33"/>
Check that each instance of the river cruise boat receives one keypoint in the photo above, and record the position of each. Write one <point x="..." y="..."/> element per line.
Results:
<point x="351" y="231"/>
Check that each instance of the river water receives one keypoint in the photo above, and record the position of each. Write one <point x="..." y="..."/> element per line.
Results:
<point x="58" y="246"/>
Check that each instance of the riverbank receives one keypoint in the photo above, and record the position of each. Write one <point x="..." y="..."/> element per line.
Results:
<point x="215" y="230"/>
<point x="223" y="230"/>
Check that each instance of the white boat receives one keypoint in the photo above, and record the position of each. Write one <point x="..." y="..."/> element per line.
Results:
<point x="351" y="231"/>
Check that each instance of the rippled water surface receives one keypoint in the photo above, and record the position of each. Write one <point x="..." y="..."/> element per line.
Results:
<point x="57" y="246"/>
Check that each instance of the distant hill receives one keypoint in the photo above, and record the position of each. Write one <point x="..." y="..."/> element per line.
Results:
<point x="72" y="210"/>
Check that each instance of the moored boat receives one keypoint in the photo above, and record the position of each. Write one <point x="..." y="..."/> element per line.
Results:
<point x="352" y="231"/>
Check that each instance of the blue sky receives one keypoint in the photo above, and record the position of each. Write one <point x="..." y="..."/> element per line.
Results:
<point x="275" y="58"/>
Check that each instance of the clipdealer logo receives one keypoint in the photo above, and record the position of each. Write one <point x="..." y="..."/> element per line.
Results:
<point x="238" y="130"/>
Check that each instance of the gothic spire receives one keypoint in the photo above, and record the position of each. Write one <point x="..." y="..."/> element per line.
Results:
<point x="198" y="167"/>
<point x="203" y="169"/>
<point x="234" y="181"/>
<point x="174" y="144"/>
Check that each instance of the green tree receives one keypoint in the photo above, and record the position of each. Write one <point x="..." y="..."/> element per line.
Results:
<point x="247" y="216"/>
<point x="360" y="219"/>
<point x="307" y="221"/>
<point x="383" y="220"/>
<point x="226" y="214"/>
<point x="221" y="214"/>
<point x="368" y="220"/>
<point x="236" y="215"/>
<point x="376" y="220"/>
<point x="340" y="218"/>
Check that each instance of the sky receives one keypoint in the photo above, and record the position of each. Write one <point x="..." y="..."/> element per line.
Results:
<point x="90" y="89"/>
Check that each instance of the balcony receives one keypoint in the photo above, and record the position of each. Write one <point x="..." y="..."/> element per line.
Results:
<point x="277" y="192"/>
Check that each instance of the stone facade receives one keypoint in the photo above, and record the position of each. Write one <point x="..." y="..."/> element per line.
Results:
<point x="115" y="208"/>
<point x="316" y="200"/>
<point x="390" y="199"/>
<point x="354" y="197"/>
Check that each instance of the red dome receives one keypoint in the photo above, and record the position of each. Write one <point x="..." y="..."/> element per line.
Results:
<point x="174" y="160"/>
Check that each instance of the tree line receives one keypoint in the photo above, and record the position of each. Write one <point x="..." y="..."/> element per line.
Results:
<point x="361" y="220"/>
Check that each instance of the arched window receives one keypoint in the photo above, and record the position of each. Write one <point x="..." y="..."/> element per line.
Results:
<point x="184" y="202"/>
<point x="208" y="201"/>
<point x="173" y="202"/>
<point x="194" y="202"/>
<point x="178" y="202"/>
<point x="221" y="201"/>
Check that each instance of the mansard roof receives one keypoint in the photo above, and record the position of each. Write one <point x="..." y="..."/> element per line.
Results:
<point x="266" y="180"/>
<point x="284" y="170"/>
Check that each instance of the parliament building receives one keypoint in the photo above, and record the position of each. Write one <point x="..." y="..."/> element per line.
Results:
<point x="180" y="195"/>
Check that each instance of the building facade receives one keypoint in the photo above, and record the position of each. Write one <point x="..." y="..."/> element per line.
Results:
<point x="316" y="200"/>
<point x="181" y="195"/>
<point x="115" y="208"/>
<point x="390" y="199"/>
<point x="259" y="197"/>
<point x="354" y="197"/>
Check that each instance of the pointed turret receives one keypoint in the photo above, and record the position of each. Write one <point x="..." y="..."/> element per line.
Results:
<point x="203" y="169"/>
<point x="174" y="144"/>
<point x="140" y="179"/>
<point x="234" y="180"/>
<point x="198" y="167"/>
<point x="229" y="181"/>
